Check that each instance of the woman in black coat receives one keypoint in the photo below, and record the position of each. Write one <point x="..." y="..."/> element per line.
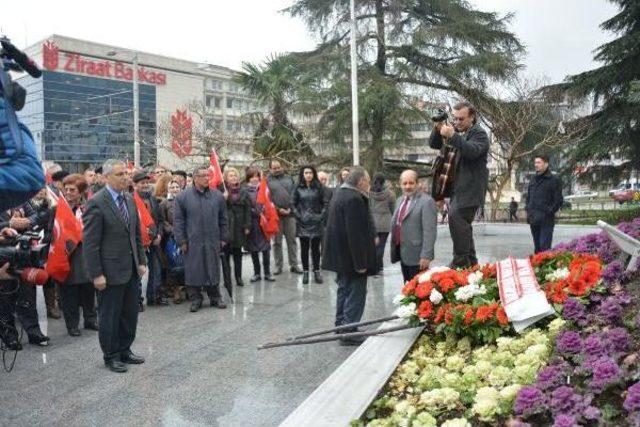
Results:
<point x="309" y="210"/>
<point x="239" y="217"/>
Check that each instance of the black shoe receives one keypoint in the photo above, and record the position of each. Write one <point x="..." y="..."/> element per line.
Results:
<point x="10" y="340"/>
<point x="37" y="338"/>
<point x="131" y="359"/>
<point x="278" y="271"/>
<point x="115" y="365"/>
<point x="239" y="281"/>
<point x="162" y="301"/>
<point x="218" y="303"/>
<point x="317" y="277"/>
<point x="305" y="278"/>
<point x="351" y="341"/>
<point x="295" y="270"/>
<point x="140" y="307"/>
<point x="269" y="278"/>
<point x="74" y="332"/>
<point x="195" y="305"/>
<point x="93" y="325"/>
<point x="255" y="278"/>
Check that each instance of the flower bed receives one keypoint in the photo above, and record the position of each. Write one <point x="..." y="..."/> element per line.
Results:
<point x="580" y="368"/>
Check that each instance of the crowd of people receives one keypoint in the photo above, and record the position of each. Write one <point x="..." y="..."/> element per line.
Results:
<point x="179" y="234"/>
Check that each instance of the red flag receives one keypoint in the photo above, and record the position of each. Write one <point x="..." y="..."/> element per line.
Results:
<point x="269" y="219"/>
<point x="146" y="220"/>
<point x="67" y="233"/>
<point x="215" y="173"/>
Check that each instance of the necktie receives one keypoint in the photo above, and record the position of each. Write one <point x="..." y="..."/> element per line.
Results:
<point x="123" y="209"/>
<point x="398" y="224"/>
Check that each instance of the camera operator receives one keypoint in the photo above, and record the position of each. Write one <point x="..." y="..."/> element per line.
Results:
<point x="26" y="294"/>
<point x="36" y="215"/>
<point x="8" y="298"/>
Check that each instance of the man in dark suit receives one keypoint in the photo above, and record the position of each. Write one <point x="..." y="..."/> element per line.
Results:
<point x="349" y="247"/>
<point x="115" y="261"/>
<point x="471" y="177"/>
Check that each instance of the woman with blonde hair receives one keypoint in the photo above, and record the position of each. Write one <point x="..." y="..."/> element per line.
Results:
<point x="239" y="220"/>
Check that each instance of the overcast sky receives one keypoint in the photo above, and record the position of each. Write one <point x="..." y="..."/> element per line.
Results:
<point x="560" y="35"/>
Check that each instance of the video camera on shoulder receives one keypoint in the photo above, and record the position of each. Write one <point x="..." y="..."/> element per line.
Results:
<point x="26" y="255"/>
<point x="21" y="174"/>
<point x="439" y="115"/>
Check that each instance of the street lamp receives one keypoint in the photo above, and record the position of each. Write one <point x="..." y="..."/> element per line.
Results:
<point x="136" y="106"/>
<point x="354" y="86"/>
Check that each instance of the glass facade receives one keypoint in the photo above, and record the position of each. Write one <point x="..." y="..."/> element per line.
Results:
<point x="82" y="121"/>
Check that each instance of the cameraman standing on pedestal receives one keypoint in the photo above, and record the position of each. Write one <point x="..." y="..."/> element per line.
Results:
<point x="471" y="177"/>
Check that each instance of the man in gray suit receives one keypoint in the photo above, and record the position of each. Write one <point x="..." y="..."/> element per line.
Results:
<point x="414" y="227"/>
<point x="471" y="177"/>
<point x="115" y="261"/>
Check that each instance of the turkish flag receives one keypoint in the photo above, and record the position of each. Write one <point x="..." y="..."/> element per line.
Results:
<point x="215" y="173"/>
<point x="269" y="219"/>
<point x="67" y="234"/>
<point x="146" y="220"/>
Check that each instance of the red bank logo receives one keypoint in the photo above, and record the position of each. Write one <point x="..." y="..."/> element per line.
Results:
<point x="181" y="128"/>
<point x="75" y="63"/>
<point x="50" y="55"/>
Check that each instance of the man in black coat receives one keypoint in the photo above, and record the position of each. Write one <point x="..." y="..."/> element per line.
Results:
<point x="141" y="184"/>
<point x="349" y="247"/>
<point x="115" y="261"/>
<point x="543" y="200"/>
<point x="470" y="178"/>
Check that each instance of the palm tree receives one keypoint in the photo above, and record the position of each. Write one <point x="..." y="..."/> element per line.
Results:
<point x="273" y="85"/>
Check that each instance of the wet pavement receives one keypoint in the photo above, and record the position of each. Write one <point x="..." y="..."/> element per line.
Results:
<point x="204" y="368"/>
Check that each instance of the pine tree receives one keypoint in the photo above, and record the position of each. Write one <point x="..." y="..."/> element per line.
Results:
<point x="405" y="49"/>
<point x="615" y="126"/>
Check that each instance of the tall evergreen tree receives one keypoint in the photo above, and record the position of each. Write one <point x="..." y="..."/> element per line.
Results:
<point x="615" y="126"/>
<point x="405" y="48"/>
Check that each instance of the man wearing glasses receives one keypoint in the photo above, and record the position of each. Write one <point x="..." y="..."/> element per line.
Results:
<point x="470" y="177"/>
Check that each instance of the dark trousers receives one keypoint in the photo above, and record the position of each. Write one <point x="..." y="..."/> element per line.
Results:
<point x="352" y="294"/>
<point x="72" y="297"/>
<point x="409" y="271"/>
<point x="213" y="292"/>
<point x="8" y="300"/>
<point x="464" y="250"/>
<point x="266" y="264"/>
<point x="513" y="216"/>
<point x="155" y="274"/>
<point x="118" y="318"/>
<point x="542" y="236"/>
<point x="26" y="308"/>
<point x="382" y="243"/>
<point x="227" y="253"/>
<point x="313" y="244"/>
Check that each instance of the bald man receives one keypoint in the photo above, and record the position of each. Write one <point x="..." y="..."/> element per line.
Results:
<point x="414" y="227"/>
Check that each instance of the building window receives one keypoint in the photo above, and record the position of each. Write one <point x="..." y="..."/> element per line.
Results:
<point x="230" y="125"/>
<point x="217" y="102"/>
<point x="229" y="102"/>
<point x="209" y="101"/>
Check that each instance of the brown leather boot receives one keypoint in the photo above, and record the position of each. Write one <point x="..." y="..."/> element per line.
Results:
<point x="52" y="303"/>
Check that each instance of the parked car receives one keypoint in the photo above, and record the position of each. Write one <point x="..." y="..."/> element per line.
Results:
<point x="631" y="184"/>
<point x="586" y="194"/>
